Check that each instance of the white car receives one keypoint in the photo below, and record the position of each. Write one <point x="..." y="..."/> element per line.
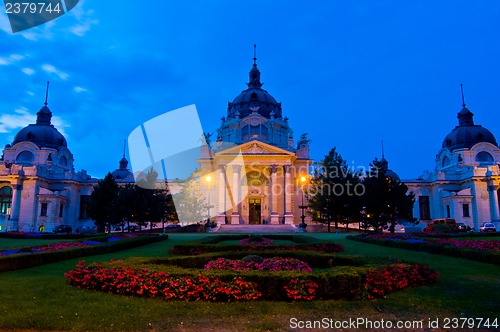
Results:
<point x="487" y="227"/>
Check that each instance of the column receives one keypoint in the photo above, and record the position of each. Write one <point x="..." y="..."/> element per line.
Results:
<point x="16" y="205"/>
<point x="494" y="203"/>
<point x="221" y="215"/>
<point x="274" y="196"/>
<point x="235" y="217"/>
<point x="288" y="196"/>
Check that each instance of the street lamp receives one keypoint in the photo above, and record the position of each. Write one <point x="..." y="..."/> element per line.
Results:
<point x="303" y="224"/>
<point x="208" y="178"/>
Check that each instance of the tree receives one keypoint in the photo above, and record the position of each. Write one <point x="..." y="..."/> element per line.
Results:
<point x="150" y="203"/>
<point x="103" y="203"/>
<point x="387" y="200"/>
<point x="334" y="190"/>
<point x="190" y="202"/>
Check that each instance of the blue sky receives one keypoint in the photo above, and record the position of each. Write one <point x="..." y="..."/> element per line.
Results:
<point x="349" y="73"/>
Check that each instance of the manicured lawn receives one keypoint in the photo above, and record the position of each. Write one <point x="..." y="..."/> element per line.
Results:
<point x="40" y="298"/>
<point x="16" y="243"/>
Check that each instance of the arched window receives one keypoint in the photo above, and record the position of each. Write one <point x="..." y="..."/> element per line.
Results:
<point x="5" y="199"/>
<point x="25" y="157"/>
<point x="244" y="133"/>
<point x="446" y="162"/>
<point x="63" y="161"/>
<point x="484" y="158"/>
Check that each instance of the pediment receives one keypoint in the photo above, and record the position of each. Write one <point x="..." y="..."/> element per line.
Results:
<point x="255" y="148"/>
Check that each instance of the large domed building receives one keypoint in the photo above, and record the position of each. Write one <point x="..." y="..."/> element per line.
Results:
<point x="465" y="183"/>
<point x="39" y="188"/>
<point x="255" y="163"/>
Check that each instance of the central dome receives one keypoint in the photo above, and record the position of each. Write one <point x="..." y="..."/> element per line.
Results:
<point x="467" y="134"/>
<point x="254" y="99"/>
<point x="42" y="133"/>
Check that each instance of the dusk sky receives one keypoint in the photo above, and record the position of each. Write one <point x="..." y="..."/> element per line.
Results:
<point x="349" y="73"/>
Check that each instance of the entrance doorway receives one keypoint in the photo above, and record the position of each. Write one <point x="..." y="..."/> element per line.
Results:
<point x="254" y="217"/>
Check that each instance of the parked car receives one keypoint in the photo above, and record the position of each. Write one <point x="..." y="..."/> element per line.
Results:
<point x="131" y="228"/>
<point x="62" y="229"/>
<point x="442" y="221"/>
<point x="173" y="226"/>
<point x="488" y="227"/>
<point x="461" y="227"/>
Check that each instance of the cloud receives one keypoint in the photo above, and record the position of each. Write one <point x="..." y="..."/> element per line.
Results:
<point x="50" y="69"/>
<point x="79" y="89"/>
<point x="28" y="71"/>
<point x="84" y="19"/>
<point x="39" y="33"/>
<point x="5" y="24"/>
<point x="13" y="58"/>
<point x="21" y="118"/>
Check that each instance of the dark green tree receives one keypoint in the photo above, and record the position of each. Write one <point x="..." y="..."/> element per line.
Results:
<point x="150" y="202"/>
<point x="334" y="191"/>
<point x="103" y="204"/>
<point x="387" y="200"/>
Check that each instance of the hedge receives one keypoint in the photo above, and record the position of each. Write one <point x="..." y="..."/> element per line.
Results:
<point x="14" y="262"/>
<point x="492" y="257"/>
<point x="220" y="238"/>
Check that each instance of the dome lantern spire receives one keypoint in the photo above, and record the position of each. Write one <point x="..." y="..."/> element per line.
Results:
<point x="254" y="72"/>
<point x="465" y="117"/>
<point x="124" y="161"/>
<point x="255" y="55"/>
<point x="44" y="115"/>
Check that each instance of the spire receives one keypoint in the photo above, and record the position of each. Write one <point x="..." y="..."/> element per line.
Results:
<point x="44" y="115"/>
<point x="47" y="94"/>
<point x="124" y="161"/>
<point x="463" y="99"/>
<point x="383" y="157"/>
<point x="254" y="72"/>
<point x="255" y="55"/>
<point x="465" y="117"/>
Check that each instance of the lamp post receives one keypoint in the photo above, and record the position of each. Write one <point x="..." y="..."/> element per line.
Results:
<point x="303" y="224"/>
<point x="208" y="178"/>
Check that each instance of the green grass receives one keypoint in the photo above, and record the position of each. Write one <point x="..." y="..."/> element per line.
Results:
<point x="40" y="299"/>
<point x="16" y="243"/>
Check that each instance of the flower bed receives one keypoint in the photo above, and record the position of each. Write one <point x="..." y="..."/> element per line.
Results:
<point x="379" y="282"/>
<point x="148" y="278"/>
<point x="19" y="258"/>
<point x="470" y="244"/>
<point x="126" y="280"/>
<point x="487" y="251"/>
<point x="256" y="241"/>
<point x="64" y="245"/>
<point x="267" y="264"/>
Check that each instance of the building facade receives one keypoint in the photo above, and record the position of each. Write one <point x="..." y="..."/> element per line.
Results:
<point x="39" y="188"/>
<point x="465" y="183"/>
<point x="254" y="163"/>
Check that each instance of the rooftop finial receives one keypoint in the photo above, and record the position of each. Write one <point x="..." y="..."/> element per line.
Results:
<point x="383" y="157"/>
<point x="47" y="94"/>
<point x="124" y="147"/>
<point x="255" y="54"/>
<point x="462" y="89"/>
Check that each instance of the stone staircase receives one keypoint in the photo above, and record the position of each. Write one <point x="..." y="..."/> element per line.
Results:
<point x="257" y="229"/>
